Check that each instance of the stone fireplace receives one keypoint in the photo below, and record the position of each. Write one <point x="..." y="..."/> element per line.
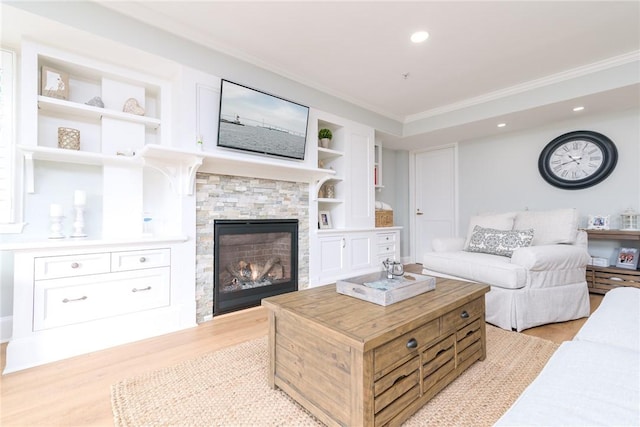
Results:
<point x="224" y="197"/>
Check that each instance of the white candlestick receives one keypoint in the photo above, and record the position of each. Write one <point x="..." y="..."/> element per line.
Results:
<point x="55" y="210"/>
<point x="78" y="224"/>
<point x="79" y="198"/>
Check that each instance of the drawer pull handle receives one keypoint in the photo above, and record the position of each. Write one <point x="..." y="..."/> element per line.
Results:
<point x="464" y="314"/>
<point x="148" y="288"/>
<point x="66" y="300"/>
<point x="142" y="259"/>
<point x="412" y="343"/>
<point x="75" y="265"/>
<point x="400" y="378"/>
<point x="442" y="351"/>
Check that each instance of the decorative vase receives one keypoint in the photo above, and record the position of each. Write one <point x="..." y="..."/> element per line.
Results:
<point x="329" y="191"/>
<point x="324" y="142"/>
<point x="69" y="138"/>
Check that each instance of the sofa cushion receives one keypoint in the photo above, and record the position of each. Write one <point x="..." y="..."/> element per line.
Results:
<point x="550" y="227"/>
<point x="616" y="322"/>
<point x="502" y="221"/>
<point x="498" y="242"/>
<point x="478" y="267"/>
<point x="582" y="384"/>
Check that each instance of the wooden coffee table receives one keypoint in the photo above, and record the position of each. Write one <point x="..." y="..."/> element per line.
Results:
<point x="352" y="362"/>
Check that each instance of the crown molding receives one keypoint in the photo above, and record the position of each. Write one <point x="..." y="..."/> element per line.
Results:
<point x="567" y="75"/>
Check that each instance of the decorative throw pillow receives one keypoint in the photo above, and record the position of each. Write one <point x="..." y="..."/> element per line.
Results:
<point x="498" y="242"/>
<point x="503" y="221"/>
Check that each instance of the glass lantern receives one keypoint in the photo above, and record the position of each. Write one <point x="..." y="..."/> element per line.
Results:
<point x="629" y="220"/>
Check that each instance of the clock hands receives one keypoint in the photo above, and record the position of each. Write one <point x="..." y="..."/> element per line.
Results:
<point x="573" y="159"/>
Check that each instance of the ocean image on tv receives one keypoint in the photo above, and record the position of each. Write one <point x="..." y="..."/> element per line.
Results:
<point x="255" y="121"/>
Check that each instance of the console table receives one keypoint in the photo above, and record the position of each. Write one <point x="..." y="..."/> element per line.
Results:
<point x="351" y="362"/>
<point x="600" y="280"/>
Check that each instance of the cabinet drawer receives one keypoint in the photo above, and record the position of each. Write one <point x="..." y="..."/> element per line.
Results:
<point x="71" y="265"/>
<point x="66" y="301"/>
<point x="463" y="315"/>
<point x="388" y="249"/>
<point x="469" y="340"/>
<point x="392" y="353"/>
<point x="395" y="390"/>
<point x="134" y="260"/>
<point x="386" y="238"/>
<point x="437" y="361"/>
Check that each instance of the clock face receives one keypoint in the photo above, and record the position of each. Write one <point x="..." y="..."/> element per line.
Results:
<point x="577" y="160"/>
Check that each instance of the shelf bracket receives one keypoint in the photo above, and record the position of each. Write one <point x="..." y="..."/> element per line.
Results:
<point x="181" y="175"/>
<point x="319" y="184"/>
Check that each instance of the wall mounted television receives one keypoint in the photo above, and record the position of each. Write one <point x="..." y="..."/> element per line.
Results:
<point x="251" y="120"/>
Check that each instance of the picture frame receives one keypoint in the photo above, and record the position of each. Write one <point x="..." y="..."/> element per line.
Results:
<point x="598" y="222"/>
<point x="55" y="83"/>
<point x="627" y="258"/>
<point x="324" y="220"/>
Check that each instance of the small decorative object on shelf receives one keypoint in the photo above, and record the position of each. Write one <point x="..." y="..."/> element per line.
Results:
<point x="55" y="84"/>
<point x="132" y="106"/>
<point x="329" y="191"/>
<point x="598" y="222"/>
<point x="79" y="202"/>
<point x="55" y="218"/>
<point x="147" y="224"/>
<point x="96" y="101"/>
<point x="627" y="258"/>
<point x="325" y="136"/>
<point x="324" y="219"/>
<point x="629" y="220"/>
<point x="69" y="138"/>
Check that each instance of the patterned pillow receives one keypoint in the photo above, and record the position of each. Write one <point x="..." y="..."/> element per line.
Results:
<point x="498" y="242"/>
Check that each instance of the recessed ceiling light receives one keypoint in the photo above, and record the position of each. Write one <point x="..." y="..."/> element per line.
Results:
<point x="501" y="125"/>
<point x="419" y="36"/>
<point x="578" y="109"/>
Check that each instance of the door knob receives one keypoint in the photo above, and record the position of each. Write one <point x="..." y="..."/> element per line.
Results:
<point x="419" y="213"/>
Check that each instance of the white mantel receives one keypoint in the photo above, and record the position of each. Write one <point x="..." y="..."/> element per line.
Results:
<point x="180" y="166"/>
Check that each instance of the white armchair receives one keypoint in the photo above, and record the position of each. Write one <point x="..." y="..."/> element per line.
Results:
<point x="535" y="263"/>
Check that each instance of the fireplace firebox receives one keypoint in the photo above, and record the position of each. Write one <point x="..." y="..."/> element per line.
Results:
<point x="253" y="259"/>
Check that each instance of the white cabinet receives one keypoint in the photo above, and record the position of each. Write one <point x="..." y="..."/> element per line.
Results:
<point x="388" y="245"/>
<point x="78" y="299"/>
<point x="343" y="254"/>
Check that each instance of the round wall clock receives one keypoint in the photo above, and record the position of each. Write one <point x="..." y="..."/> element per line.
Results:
<point x="578" y="160"/>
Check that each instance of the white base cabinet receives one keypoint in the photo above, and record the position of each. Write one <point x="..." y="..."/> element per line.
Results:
<point x="74" y="300"/>
<point x="346" y="253"/>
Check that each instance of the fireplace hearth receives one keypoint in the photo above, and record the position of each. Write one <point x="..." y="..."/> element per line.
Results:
<point x="253" y="259"/>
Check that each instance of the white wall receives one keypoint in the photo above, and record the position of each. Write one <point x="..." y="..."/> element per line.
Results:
<point x="501" y="174"/>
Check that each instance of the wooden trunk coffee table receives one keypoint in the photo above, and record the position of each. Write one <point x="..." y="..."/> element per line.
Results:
<point x="354" y="363"/>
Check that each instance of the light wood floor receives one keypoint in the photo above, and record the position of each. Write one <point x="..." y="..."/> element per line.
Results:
<point x="76" y="391"/>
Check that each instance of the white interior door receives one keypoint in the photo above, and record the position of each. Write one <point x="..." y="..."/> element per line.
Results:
<point x="434" y="197"/>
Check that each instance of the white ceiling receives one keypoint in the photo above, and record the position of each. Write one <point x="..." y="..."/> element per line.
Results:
<point x="360" y="50"/>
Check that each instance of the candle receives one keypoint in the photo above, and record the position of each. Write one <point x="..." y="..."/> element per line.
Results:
<point x="79" y="198"/>
<point x="55" y="210"/>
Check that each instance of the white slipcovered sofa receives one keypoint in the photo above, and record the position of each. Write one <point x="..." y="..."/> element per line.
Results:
<point x="593" y="380"/>
<point x="535" y="263"/>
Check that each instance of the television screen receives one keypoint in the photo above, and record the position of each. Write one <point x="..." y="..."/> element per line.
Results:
<point x="255" y="121"/>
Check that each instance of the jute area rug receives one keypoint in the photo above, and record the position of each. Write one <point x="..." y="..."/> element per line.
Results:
<point x="229" y="388"/>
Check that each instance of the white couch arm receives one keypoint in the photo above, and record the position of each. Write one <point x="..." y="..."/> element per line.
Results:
<point x="448" y="244"/>
<point x="550" y="257"/>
